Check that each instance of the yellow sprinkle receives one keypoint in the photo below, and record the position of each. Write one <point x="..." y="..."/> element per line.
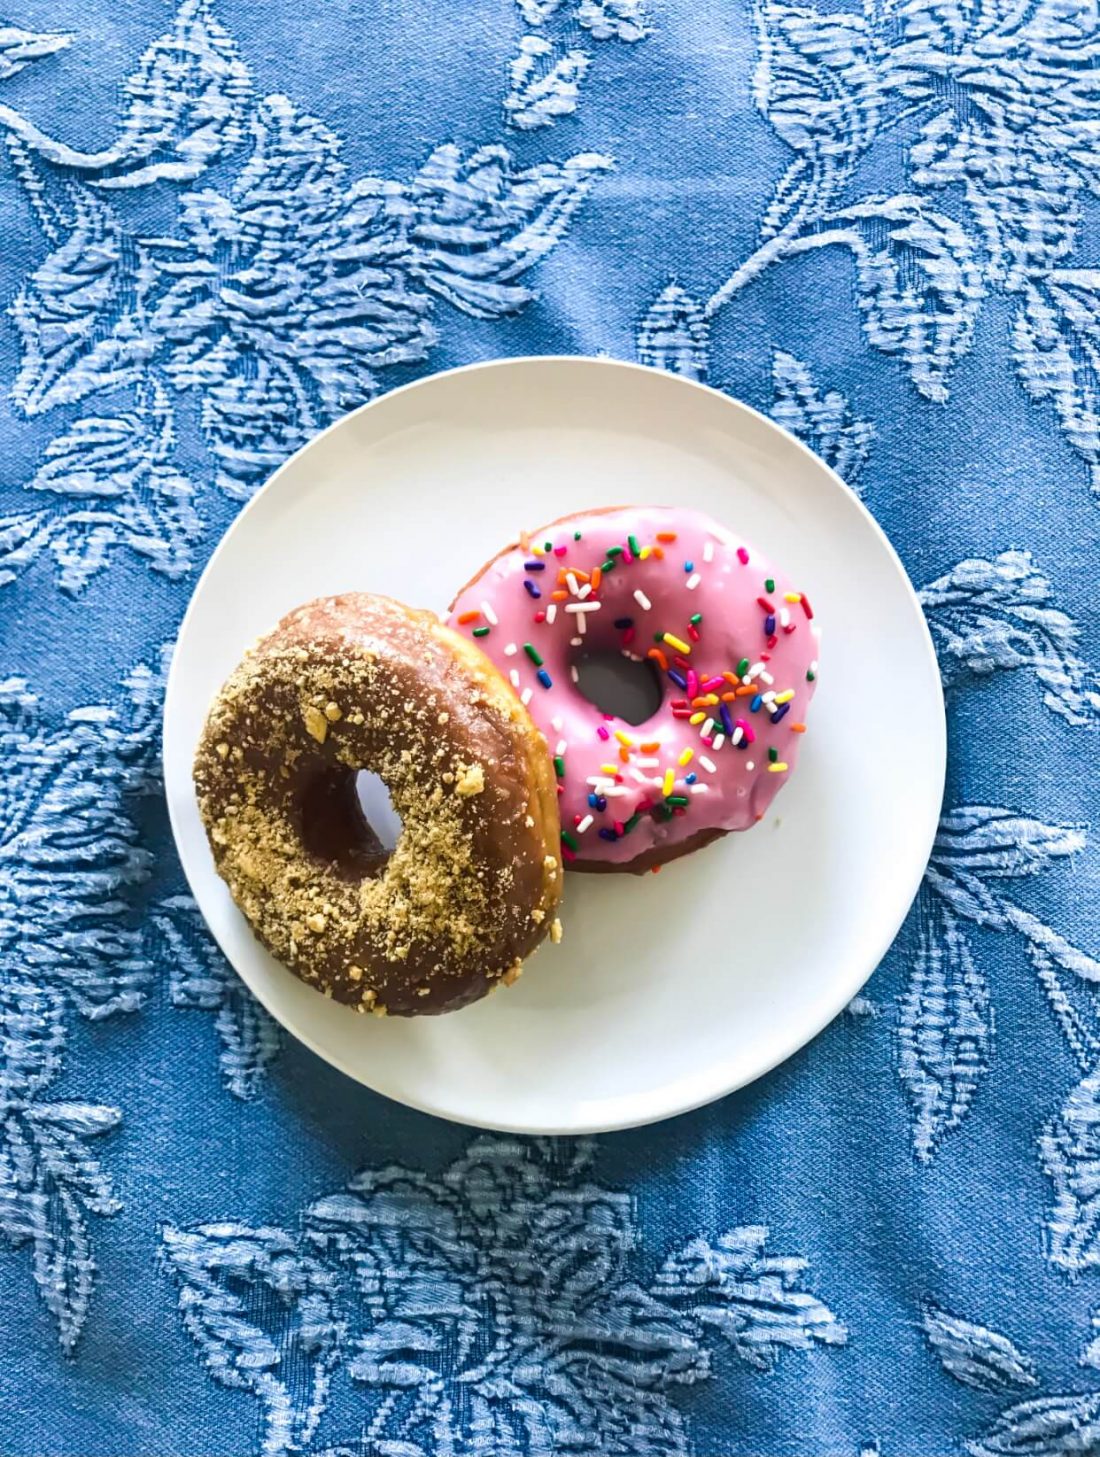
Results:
<point x="792" y="596"/>
<point x="645" y="551"/>
<point x="777" y="768"/>
<point x="670" y="783"/>
<point x="537" y="551"/>
<point x="785" y="697"/>
<point x="697" y="718"/>
<point x="609" y="769"/>
<point x="686" y="757"/>
<point x="624" y="739"/>
<point x="675" y="642"/>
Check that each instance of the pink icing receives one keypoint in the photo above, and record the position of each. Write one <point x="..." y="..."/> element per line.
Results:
<point x="725" y="583"/>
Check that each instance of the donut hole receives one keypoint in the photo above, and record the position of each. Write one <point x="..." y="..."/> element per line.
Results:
<point x="348" y="820"/>
<point x="619" y="685"/>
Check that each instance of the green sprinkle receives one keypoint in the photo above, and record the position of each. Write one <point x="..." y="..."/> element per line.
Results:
<point x="607" y="565"/>
<point x="576" y="536"/>
<point x="677" y="800"/>
<point x="559" y="766"/>
<point x="662" y="812"/>
<point x="631" y="822"/>
<point x="658" y="637"/>
<point x="548" y="546"/>
<point x="568" y="838"/>
<point x="481" y="632"/>
<point x="742" y="667"/>
<point x="769" y="584"/>
<point x="614" y="551"/>
<point x="695" y="619"/>
<point x="773" y="756"/>
<point x="635" y="549"/>
<point x="533" y="653"/>
<point x="810" y="675"/>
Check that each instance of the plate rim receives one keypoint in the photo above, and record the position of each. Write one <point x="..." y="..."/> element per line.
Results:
<point x="788" y="1047"/>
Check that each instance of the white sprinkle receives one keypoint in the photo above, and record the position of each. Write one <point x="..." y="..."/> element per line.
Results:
<point x="573" y="669"/>
<point x="511" y="650"/>
<point x="750" y="766"/>
<point x="708" y="551"/>
<point x="571" y="583"/>
<point x="574" y="642"/>
<point x="700" y="788"/>
<point x="597" y="781"/>
<point x="525" y="697"/>
<point x="562" y="746"/>
<point x="751" y="674"/>
<point x="766" y="677"/>
<point x="614" y="791"/>
<point x="582" y="624"/>
<point x="707" y="729"/>
<point x="693" y="581"/>
<point x="638" y="776"/>
<point x="648" y="763"/>
<point x="708" y="764"/>
<point x="584" y="824"/>
<point x="813" y="667"/>
<point x="784" y="616"/>
<point x="642" y="600"/>
<point x="721" y="535"/>
<point x="556" y="724"/>
<point x="551" y="612"/>
<point x="582" y="607"/>
<point x="737" y="736"/>
<point x="585" y="591"/>
<point x="719" y="740"/>
<point x="513" y="677"/>
<point x="489" y="615"/>
<point x="768" y="697"/>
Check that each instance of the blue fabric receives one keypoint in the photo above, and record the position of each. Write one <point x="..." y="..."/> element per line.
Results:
<point x="224" y="225"/>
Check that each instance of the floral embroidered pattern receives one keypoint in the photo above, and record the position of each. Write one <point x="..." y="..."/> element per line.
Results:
<point x="975" y="1355"/>
<point x="69" y="852"/>
<point x="275" y="302"/>
<point x="546" y="74"/>
<point x="492" y="1309"/>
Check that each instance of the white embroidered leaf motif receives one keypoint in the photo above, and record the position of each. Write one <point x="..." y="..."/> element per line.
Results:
<point x="1048" y="1426"/>
<point x="200" y="977"/>
<point x="976" y="1355"/>
<point x="945" y="1028"/>
<point x="1070" y="1150"/>
<point x="816" y="82"/>
<point x="1056" y="341"/>
<point x="543" y="87"/>
<point x="920" y="283"/>
<point x="1090" y="1356"/>
<point x="74" y="316"/>
<point x="674" y="335"/>
<point x="535" y="12"/>
<point x="185" y="108"/>
<point x="823" y="421"/>
<point x="480" y="223"/>
<point x="18" y="48"/>
<point x="264" y="1317"/>
<point x="995" y="615"/>
<point x="614" y="19"/>
<point x="753" y="1300"/>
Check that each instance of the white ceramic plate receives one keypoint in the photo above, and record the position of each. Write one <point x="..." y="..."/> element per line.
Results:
<point x="666" y="991"/>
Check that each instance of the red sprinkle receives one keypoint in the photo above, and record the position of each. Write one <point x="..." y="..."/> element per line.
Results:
<point x="766" y="605"/>
<point x="540" y="616"/>
<point x="790" y="627"/>
<point x="772" y="640"/>
<point x="560" y="550"/>
<point x="566" y="853"/>
<point x="619" y="827"/>
<point x="682" y="663"/>
<point x="693" y="632"/>
<point x="628" y="637"/>
<point x="806" y="608"/>
<point x="681" y="713"/>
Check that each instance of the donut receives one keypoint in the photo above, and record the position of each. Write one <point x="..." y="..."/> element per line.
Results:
<point x="732" y="643"/>
<point x="361" y="682"/>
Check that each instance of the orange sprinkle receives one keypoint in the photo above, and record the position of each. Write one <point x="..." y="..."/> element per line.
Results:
<point x="732" y="678"/>
<point x="659" y="554"/>
<point x="666" y="536"/>
<point x="748" y="690"/>
<point x="650" y="747"/>
<point x="624" y="755"/>
<point x="596" y="578"/>
<point x="559" y="596"/>
<point x="706" y="700"/>
<point x="658" y="656"/>
<point x="466" y="617"/>
<point x="728" y="697"/>
<point x="798" y="728"/>
<point x="656" y="868"/>
<point x="580" y="576"/>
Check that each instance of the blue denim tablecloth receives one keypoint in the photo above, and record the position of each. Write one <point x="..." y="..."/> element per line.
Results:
<point x="224" y="224"/>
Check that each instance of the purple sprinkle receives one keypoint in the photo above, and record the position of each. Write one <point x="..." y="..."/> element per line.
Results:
<point x="601" y="803"/>
<point x="769" y="623"/>
<point x="678" y="678"/>
<point x="532" y="590"/>
<point x="544" y="678"/>
<point x="606" y="834"/>
<point x="727" y="722"/>
<point x="534" y="566"/>
<point x="624" y="622"/>
<point x="756" y="702"/>
<point x="784" y="708"/>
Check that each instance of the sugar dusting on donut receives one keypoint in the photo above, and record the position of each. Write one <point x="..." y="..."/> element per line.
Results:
<point x="734" y="644"/>
<point x="473" y="883"/>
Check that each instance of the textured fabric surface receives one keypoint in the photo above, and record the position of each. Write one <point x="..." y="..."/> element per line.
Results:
<point x="224" y="224"/>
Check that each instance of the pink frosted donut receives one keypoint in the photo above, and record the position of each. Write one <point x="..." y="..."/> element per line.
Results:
<point x="732" y="641"/>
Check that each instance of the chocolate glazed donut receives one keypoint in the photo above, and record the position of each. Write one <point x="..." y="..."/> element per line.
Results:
<point x="361" y="682"/>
